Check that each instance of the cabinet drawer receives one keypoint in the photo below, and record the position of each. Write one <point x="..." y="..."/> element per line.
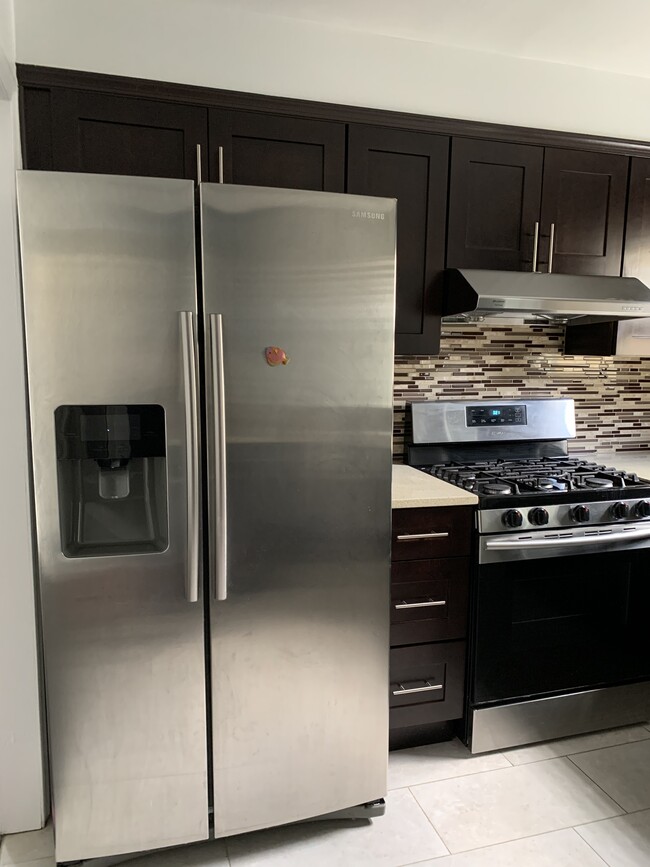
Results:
<point x="426" y="683"/>
<point x="428" y="600"/>
<point x="419" y="534"/>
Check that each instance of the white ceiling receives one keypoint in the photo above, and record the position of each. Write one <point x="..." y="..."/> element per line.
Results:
<point x="609" y="35"/>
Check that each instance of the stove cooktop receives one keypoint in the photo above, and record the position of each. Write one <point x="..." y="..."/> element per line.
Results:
<point x="545" y="479"/>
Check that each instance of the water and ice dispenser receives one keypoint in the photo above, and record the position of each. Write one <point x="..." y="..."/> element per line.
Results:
<point x="112" y="476"/>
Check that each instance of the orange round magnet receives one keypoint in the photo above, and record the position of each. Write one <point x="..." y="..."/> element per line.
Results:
<point x="275" y="356"/>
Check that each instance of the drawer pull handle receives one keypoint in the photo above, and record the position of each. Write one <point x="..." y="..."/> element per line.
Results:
<point x="430" y="687"/>
<point x="428" y="604"/>
<point x="416" y="537"/>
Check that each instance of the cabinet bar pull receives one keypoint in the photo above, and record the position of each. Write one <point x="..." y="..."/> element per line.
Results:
<point x="428" y="604"/>
<point x="198" y="163"/>
<point x="535" y="245"/>
<point x="220" y="158"/>
<point x="430" y="687"/>
<point x="416" y="537"/>
<point x="551" y="243"/>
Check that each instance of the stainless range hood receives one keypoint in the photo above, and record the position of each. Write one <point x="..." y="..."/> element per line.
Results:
<point x="474" y="294"/>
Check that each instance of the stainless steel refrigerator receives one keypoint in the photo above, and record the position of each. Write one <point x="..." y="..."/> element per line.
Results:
<point x="212" y="502"/>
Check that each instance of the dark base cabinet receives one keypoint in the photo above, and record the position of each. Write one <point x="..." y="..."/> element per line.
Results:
<point x="429" y="600"/>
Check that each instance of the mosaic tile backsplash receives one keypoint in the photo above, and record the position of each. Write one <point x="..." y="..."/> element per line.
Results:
<point x="491" y="361"/>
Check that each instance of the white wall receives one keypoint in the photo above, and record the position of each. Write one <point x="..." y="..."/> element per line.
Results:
<point x="211" y="43"/>
<point x="21" y="766"/>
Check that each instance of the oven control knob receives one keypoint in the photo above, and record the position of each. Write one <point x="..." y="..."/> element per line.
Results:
<point x="642" y="509"/>
<point x="538" y="517"/>
<point x="580" y="514"/>
<point x="513" y="518"/>
<point x="618" y="510"/>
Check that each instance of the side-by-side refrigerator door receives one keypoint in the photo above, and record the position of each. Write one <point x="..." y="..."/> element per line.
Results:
<point x="299" y="307"/>
<point x="110" y="321"/>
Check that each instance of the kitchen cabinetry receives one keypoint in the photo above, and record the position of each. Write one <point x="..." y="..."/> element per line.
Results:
<point x="76" y="131"/>
<point x="613" y="338"/>
<point x="583" y="196"/>
<point x="498" y="191"/>
<point x="273" y="151"/>
<point x="411" y="167"/>
<point x="477" y="210"/>
<point x="494" y="200"/>
<point x="429" y="600"/>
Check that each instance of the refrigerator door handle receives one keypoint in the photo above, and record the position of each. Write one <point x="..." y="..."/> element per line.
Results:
<point x="219" y="521"/>
<point x="191" y="390"/>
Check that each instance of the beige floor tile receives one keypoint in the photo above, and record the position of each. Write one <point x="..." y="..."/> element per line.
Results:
<point x="621" y="842"/>
<point x="622" y="771"/>
<point x="507" y="804"/>
<point x="577" y="744"/>
<point x="30" y="846"/>
<point x="438" y="762"/>
<point x="556" y="849"/>
<point x="402" y="836"/>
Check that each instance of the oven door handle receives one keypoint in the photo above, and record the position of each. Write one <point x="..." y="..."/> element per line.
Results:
<point x="630" y="534"/>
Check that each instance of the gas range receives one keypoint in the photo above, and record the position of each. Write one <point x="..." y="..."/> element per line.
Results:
<point x="514" y="456"/>
<point x="557" y="641"/>
<point x="548" y="491"/>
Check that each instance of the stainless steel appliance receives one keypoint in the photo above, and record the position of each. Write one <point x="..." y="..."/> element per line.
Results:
<point x="558" y="640"/>
<point x="574" y="299"/>
<point x="220" y="675"/>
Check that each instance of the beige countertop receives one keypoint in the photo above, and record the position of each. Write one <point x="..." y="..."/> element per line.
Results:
<point x="633" y="462"/>
<point x="413" y="489"/>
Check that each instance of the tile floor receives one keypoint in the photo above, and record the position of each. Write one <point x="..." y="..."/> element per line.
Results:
<point x="579" y="802"/>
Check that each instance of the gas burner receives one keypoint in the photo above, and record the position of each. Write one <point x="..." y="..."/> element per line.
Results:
<point x="551" y="485"/>
<point x="496" y="488"/>
<point x="597" y="482"/>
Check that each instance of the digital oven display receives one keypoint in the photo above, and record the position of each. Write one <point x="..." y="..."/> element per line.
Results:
<point x="495" y="415"/>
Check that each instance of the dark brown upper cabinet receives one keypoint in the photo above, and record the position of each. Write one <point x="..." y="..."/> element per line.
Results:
<point x="499" y="191"/>
<point x="494" y="201"/>
<point x="79" y="131"/>
<point x="411" y="167"/>
<point x="636" y="258"/>
<point x="583" y="197"/>
<point x="604" y="338"/>
<point x="268" y="150"/>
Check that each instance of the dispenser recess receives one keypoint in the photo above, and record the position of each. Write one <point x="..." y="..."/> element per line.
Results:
<point x="112" y="479"/>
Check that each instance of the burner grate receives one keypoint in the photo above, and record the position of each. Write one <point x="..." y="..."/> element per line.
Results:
<point x="557" y="475"/>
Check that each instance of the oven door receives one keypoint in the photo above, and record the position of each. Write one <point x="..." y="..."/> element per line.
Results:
<point x="559" y="624"/>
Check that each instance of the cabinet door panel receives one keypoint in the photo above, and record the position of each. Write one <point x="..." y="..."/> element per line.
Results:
<point x="446" y="532"/>
<point x="113" y="135"/>
<point x="437" y="671"/>
<point x="584" y="196"/>
<point x="274" y="151"/>
<point x="636" y="260"/>
<point x="494" y="198"/>
<point x="411" y="167"/>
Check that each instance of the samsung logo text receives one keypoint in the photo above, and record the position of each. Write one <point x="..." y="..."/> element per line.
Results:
<point x="369" y="215"/>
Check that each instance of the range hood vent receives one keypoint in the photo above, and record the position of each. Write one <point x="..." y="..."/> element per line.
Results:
<point x="474" y="294"/>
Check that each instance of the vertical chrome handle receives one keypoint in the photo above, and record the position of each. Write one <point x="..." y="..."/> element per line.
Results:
<point x="198" y="163"/>
<point x="551" y="244"/>
<point x="219" y="520"/>
<point x="191" y="388"/>
<point x="220" y="158"/>
<point x="535" y="245"/>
